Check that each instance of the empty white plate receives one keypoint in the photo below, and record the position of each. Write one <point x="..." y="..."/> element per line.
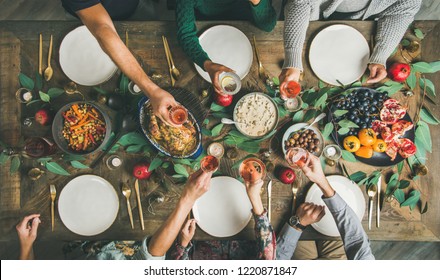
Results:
<point x="88" y="205"/>
<point x="228" y="46"/>
<point x="348" y="190"/>
<point x="225" y="209"/>
<point x="82" y="59"/>
<point x="339" y="52"/>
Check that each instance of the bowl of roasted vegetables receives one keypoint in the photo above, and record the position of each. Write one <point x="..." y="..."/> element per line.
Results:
<point x="81" y="128"/>
<point x="177" y="142"/>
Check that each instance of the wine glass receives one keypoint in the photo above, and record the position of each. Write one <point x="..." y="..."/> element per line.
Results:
<point x="209" y="164"/>
<point x="178" y="114"/>
<point x="297" y="157"/>
<point x="252" y="170"/>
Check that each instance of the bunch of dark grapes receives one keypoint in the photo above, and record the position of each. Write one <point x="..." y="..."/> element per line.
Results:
<point x="363" y="106"/>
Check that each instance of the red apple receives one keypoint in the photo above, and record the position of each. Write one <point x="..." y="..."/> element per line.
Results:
<point x="223" y="99"/>
<point x="140" y="171"/>
<point x="286" y="175"/>
<point x="43" y="117"/>
<point x="398" y="72"/>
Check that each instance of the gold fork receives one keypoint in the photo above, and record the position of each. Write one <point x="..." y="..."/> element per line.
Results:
<point x="53" y="195"/>
<point x="294" y="192"/>
<point x="262" y="73"/>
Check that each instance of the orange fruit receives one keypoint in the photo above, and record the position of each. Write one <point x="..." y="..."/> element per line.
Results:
<point x="351" y="143"/>
<point x="380" y="146"/>
<point x="365" y="152"/>
<point x="367" y="136"/>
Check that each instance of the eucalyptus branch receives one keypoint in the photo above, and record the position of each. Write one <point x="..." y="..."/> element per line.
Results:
<point x="417" y="117"/>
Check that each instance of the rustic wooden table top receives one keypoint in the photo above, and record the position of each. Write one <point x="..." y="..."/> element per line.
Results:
<point x="21" y="196"/>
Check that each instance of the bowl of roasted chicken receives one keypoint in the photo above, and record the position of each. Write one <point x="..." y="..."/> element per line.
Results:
<point x="178" y="142"/>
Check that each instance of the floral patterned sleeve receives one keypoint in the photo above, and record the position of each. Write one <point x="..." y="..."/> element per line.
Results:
<point x="265" y="237"/>
<point x="178" y="252"/>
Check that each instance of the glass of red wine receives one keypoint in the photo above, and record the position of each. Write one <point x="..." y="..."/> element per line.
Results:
<point x="297" y="157"/>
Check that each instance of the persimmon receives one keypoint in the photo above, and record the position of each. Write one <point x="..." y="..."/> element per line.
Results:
<point x="367" y="136"/>
<point x="380" y="146"/>
<point x="351" y="143"/>
<point x="365" y="152"/>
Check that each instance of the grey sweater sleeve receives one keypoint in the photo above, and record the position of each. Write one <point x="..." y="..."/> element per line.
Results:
<point x="286" y="242"/>
<point x="392" y="25"/>
<point x="356" y="243"/>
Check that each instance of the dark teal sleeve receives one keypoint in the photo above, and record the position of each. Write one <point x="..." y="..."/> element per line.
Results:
<point x="264" y="15"/>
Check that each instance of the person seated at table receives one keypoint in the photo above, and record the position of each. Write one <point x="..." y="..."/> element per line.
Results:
<point x="263" y="248"/>
<point x="260" y="12"/>
<point x="355" y="244"/>
<point x="394" y="17"/>
<point x="97" y="15"/>
<point x="27" y="233"/>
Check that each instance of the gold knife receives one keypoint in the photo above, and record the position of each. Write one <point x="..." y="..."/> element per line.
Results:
<point x="138" y="197"/>
<point x="379" y="183"/>
<point x="40" y="56"/>
<point x="269" y="198"/>
<point x="165" y="45"/>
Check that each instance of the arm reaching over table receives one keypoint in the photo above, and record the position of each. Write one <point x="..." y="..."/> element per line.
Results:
<point x="183" y="244"/>
<point x="164" y="237"/>
<point x="263" y="14"/>
<point x="27" y="233"/>
<point x="101" y="26"/>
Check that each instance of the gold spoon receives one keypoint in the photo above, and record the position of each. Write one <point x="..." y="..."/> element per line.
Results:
<point x="126" y="191"/>
<point x="371" y="194"/>
<point x="174" y="71"/>
<point x="49" y="71"/>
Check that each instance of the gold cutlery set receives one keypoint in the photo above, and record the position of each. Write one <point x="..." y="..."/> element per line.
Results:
<point x="174" y="72"/>
<point x="372" y="192"/>
<point x="126" y="191"/>
<point x="48" y="72"/>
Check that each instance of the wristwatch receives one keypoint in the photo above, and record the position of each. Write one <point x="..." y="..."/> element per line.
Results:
<point x="295" y="222"/>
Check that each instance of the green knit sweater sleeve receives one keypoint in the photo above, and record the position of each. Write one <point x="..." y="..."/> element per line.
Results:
<point x="264" y="15"/>
<point x="187" y="32"/>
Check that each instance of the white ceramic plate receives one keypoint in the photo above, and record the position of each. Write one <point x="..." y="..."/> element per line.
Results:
<point x="339" y="52"/>
<point x="228" y="46"/>
<point x="294" y="128"/>
<point x="83" y="60"/>
<point x="88" y="205"/>
<point x="225" y="209"/>
<point x="349" y="191"/>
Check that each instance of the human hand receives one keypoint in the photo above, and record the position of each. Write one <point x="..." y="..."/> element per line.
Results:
<point x="255" y="2"/>
<point x="289" y="74"/>
<point x="161" y="102"/>
<point x="253" y="191"/>
<point x="214" y="70"/>
<point x="309" y="213"/>
<point x="27" y="233"/>
<point x="187" y="232"/>
<point x="313" y="170"/>
<point x="198" y="183"/>
<point x="377" y="73"/>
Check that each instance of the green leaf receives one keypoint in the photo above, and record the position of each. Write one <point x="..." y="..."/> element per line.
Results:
<point x="298" y="116"/>
<point x="38" y="81"/>
<point x="435" y="66"/>
<point x="155" y="164"/>
<point x="165" y="165"/>
<point x="180" y="169"/>
<point x="430" y="88"/>
<point x="26" y="82"/>
<point x="215" y="107"/>
<point x="123" y="83"/>
<point x="250" y="147"/>
<point x="79" y="165"/>
<point x="310" y="114"/>
<point x="44" y="96"/>
<point x="339" y="113"/>
<point x="206" y="132"/>
<point x="391" y="87"/>
<point x="183" y="161"/>
<point x="321" y="84"/>
<point x="267" y="136"/>
<point x="428" y="117"/>
<point x="134" y="149"/>
<point x="356" y="84"/>
<point x="55" y="92"/>
<point x="347" y="124"/>
<point x="343" y="130"/>
<point x="133" y="138"/>
<point x="400" y="167"/>
<point x="419" y="34"/>
<point x="412" y="79"/>
<point x="56" y="168"/>
<point x="403" y="184"/>
<point x="392" y="184"/>
<point x="421" y="67"/>
<point x="425" y="209"/>
<point x="405" y="43"/>
<point x="327" y="130"/>
<point x="282" y="112"/>
<point x="413" y="198"/>
<point x="217" y="129"/>
<point x="15" y="164"/>
<point x="3" y="158"/>
<point x="206" y="121"/>
<point x="219" y="115"/>
<point x="320" y="103"/>
<point x="276" y="81"/>
<point x="346" y="155"/>
<point x="238" y="134"/>
<point x="44" y="159"/>
<point x="101" y="90"/>
<point x="400" y="196"/>
<point x="358" y="176"/>
<point x="424" y="135"/>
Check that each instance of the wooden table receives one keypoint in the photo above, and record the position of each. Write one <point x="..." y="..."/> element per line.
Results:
<point x="21" y="196"/>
